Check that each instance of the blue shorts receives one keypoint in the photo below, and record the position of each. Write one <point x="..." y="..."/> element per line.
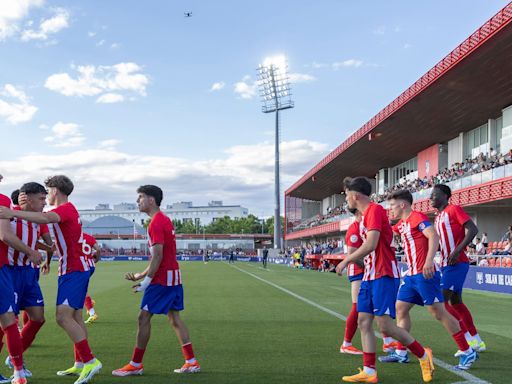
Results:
<point x="7" y="298"/>
<point x="418" y="290"/>
<point x="378" y="297"/>
<point x="25" y="281"/>
<point x="72" y="289"/>
<point x="453" y="277"/>
<point x="160" y="299"/>
<point x="91" y="271"/>
<point x="356" y="277"/>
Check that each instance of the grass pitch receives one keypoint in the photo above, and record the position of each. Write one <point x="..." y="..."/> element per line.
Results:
<point x="247" y="331"/>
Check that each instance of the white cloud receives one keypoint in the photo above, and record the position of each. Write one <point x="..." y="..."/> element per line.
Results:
<point x="91" y="34"/>
<point x="109" y="144"/>
<point x="65" y="135"/>
<point x="12" y="13"/>
<point x="350" y="63"/>
<point x="381" y="30"/>
<point x="301" y="78"/>
<point x="217" y="86"/>
<point x="110" y="83"/>
<point x="101" y="42"/>
<point x="15" y="105"/>
<point x="243" y="175"/>
<point x="407" y="45"/>
<point x="109" y="98"/>
<point x="51" y="26"/>
<point x="115" y="45"/>
<point x="246" y="88"/>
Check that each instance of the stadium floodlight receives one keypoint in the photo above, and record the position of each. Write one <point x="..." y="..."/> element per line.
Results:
<point x="274" y="86"/>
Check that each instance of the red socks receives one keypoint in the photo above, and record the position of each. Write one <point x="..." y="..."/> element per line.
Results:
<point x="78" y="359"/>
<point x="88" y="303"/>
<point x="188" y="352"/>
<point x="466" y="317"/>
<point x="14" y="345"/>
<point x="29" y="332"/>
<point x="416" y="349"/>
<point x="351" y="323"/>
<point x="369" y="360"/>
<point x="138" y="354"/>
<point x="461" y="341"/>
<point x="84" y="351"/>
<point x="25" y="318"/>
<point x="455" y="314"/>
<point x="400" y="346"/>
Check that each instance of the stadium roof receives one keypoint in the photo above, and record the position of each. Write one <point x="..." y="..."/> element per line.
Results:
<point x="469" y="85"/>
<point x="112" y="225"/>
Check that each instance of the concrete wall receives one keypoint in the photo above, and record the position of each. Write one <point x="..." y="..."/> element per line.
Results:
<point x="493" y="220"/>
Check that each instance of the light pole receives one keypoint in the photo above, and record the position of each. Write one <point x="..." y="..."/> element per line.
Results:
<point x="275" y="93"/>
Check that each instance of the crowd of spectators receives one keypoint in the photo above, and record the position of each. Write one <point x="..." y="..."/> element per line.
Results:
<point x="481" y="163"/>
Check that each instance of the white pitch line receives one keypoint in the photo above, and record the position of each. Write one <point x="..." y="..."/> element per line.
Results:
<point x="462" y="374"/>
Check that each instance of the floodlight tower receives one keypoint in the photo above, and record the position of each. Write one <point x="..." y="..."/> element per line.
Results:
<point x="274" y="85"/>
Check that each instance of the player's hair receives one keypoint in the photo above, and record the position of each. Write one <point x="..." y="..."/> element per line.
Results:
<point x="14" y="196"/>
<point x="352" y="210"/>
<point x="402" y="194"/>
<point x="153" y="191"/>
<point x="33" y="188"/>
<point x="358" y="184"/>
<point x="444" y="189"/>
<point x="61" y="182"/>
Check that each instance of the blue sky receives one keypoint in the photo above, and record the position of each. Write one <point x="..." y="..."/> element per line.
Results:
<point x="121" y="93"/>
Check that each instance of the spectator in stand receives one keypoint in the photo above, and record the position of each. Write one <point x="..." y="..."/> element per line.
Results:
<point x="508" y="235"/>
<point x="480" y="248"/>
<point x="485" y="241"/>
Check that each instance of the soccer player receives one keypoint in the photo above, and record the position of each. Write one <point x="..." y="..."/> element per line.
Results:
<point x="355" y="273"/>
<point x="73" y="271"/>
<point x="161" y="284"/>
<point x="24" y="274"/>
<point x="456" y="231"/>
<point x="377" y="295"/>
<point x="7" y="296"/>
<point x="265" y="257"/>
<point x="92" y="251"/>
<point x="422" y="284"/>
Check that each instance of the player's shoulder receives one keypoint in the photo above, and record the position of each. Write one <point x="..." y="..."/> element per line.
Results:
<point x="419" y="217"/>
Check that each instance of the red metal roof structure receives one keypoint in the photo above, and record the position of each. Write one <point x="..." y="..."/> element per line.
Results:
<point x="455" y="96"/>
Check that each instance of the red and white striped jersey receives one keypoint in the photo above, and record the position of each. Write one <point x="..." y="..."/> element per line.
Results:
<point x="353" y="239"/>
<point x="450" y="228"/>
<point x="382" y="261"/>
<point x="29" y="233"/>
<point x="68" y="237"/>
<point x="88" y="248"/>
<point x="4" y="248"/>
<point x="415" y="243"/>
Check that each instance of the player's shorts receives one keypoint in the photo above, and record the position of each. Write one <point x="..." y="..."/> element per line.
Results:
<point x="357" y="277"/>
<point x="25" y="281"/>
<point x="416" y="289"/>
<point x="91" y="271"/>
<point x="72" y="289"/>
<point x="160" y="299"/>
<point x="378" y="297"/>
<point x="453" y="277"/>
<point x="7" y="296"/>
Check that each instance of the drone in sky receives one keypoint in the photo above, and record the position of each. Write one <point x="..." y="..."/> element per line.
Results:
<point x="188" y="14"/>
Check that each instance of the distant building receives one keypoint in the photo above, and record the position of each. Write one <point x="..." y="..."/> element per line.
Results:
<point x="183" y="211"/>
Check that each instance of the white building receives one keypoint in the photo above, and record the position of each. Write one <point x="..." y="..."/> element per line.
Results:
<point x="183" y="211"/>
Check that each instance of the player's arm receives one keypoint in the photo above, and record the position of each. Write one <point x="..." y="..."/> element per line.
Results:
<point x="10" y="238"/>
<point x="33" y="217"/>
<point x="48" y="247"/>
<point x="471" y="231"/>
<point x="156" y="260"/>
<point x="372" y="239"/>
<point x="433" y="243"/>
<point x="97" y="252"/>
<point x="136" y="276"/>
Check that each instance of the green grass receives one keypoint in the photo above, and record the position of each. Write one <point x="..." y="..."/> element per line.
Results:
<point x="246" y="331"/>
